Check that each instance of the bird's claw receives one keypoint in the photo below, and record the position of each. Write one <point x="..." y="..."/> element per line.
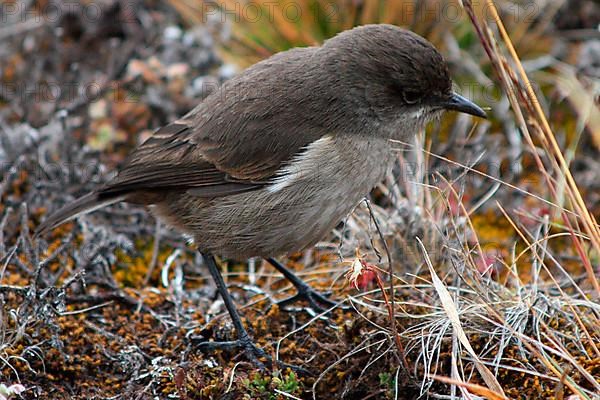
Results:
<point x="253" y="353"/>
<point x="316" y="299"/>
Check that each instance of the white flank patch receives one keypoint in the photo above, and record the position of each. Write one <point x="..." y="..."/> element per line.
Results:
<point x="303" y="163"/>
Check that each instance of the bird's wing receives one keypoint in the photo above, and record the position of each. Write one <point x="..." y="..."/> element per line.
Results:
<point x="236" y="140"/>
<point x="177" y="157"/>
<point x="169" y="159"/>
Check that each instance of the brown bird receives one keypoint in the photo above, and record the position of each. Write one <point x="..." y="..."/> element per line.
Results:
<point x="272" y="161"/>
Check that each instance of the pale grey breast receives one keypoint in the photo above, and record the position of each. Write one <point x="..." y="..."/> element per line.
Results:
<point x="307" y="198"/>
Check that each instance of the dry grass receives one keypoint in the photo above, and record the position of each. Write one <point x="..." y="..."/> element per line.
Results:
<point x="521" y="307"/>
<point x="477" y="260"/>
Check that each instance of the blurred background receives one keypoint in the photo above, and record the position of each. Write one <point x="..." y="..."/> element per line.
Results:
<point x="103" y="306"/>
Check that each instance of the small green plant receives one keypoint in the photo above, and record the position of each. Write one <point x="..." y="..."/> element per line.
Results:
<point x="387" y="381"/>
<point x="258" y="386"/>
<point x="288" y="384"/>
<point x="263" y="387"/>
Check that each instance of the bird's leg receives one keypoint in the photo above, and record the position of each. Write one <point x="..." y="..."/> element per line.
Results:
<point x="244" y="341"/>
<point x="316" y="299"/>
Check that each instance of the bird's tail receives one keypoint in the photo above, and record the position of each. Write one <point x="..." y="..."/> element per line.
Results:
<point x="82" y="205"/>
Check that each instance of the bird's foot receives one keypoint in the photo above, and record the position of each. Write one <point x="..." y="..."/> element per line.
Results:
<point x="253" y="353"/>
<point x="318" y="301"/>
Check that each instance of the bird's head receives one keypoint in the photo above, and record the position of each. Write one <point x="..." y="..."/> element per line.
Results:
<point x="394" y="77"/>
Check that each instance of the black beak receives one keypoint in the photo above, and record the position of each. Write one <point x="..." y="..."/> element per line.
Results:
<point x="462" y="104"/>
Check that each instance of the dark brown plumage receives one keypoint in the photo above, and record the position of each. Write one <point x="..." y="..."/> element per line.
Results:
<point x="281" y="153"/>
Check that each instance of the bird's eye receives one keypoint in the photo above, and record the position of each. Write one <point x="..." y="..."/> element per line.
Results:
<point x="411" y="96"/>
